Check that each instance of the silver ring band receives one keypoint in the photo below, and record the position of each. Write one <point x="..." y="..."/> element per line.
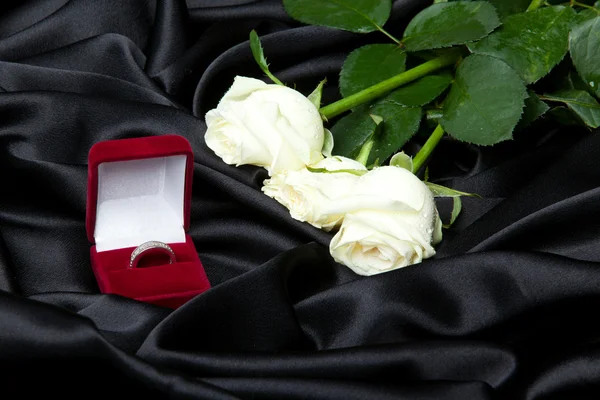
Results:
<point x="152" y="245"/>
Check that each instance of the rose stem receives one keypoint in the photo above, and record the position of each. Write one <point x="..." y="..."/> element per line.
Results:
<point x="388" y="35"/>
<point x="427" y="148"/>
<point x="576" y="3"/>
<point x="535" y="4"/>
<point x="371" y="93"/>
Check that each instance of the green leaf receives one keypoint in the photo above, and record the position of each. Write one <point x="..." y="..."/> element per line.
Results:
<point x="359" y="16"/>
<point x="564" y="116"/>
<point x="581" y="103"/>
<point x="351" y="131"/>
<point x="443" y="191"/>
<point x="399" y="126"/>
<point x="315" y="96"/>
<point x="365" y="150"/>
<point x="259" y="56"/>
<point x="573" y="81"/>
<point x="423" y="91"/>
<point x="327" y="143"/>
<point x="370" y="64"/>
<point x="257" y="51"/>
<point x="402" y="160"/>
<point x="563" y="77"/>
<point x="509" y="7"/>
<point x="485" y="101"/>
<point x="456" y="209"/>
<point x="448" y="24"/>
<point x="586" y="15"/>
<point x="532" y="42"/>
<point x="585" y="52"/>
<point x="534" y="108"/>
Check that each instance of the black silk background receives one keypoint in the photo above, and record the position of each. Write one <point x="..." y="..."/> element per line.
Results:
<point x="508" y="309"/>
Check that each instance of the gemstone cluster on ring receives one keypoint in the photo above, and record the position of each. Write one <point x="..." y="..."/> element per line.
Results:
<point x="147" y="246"/>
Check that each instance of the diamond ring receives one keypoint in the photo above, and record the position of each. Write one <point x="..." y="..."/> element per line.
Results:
<point x="149" y="248"/>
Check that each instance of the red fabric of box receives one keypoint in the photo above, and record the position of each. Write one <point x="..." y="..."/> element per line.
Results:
<point x="140" y="190"/>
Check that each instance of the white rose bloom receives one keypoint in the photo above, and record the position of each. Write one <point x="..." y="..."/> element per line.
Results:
<point x="312" y="196"/>
<point x="392" y="222"/>
<point x="271" y="126"/>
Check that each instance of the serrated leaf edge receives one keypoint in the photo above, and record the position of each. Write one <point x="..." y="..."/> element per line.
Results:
<point x="554" y="66"/>
<point x="362" y="30"/>
<point x="520" y="115"/>
<point x="595" y="90"/>
<point x="460" y="42"/>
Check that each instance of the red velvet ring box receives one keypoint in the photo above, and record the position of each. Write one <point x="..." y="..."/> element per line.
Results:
<point x="140" y="190"/>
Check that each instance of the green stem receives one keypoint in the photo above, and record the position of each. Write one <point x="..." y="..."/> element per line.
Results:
<point x="365" y="150"/>
<point x="371" y="93"/>
<point x="576" y="3"/>
<point x="535" y="4"/>
<point x="273" y="78"/>
<point x="428" y="147"/>
<point x="388" y="35"/>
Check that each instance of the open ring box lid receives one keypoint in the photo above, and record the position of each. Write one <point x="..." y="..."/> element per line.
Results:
<point x="140" y="190"/>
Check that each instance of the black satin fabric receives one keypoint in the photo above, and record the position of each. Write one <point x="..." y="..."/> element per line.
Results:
<point x="508" y="308"/>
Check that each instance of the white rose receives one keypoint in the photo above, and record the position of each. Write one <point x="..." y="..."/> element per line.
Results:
<point x="392" y="222"/>
<point x="312" y="196"/>
<point x="271" y="126"/>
